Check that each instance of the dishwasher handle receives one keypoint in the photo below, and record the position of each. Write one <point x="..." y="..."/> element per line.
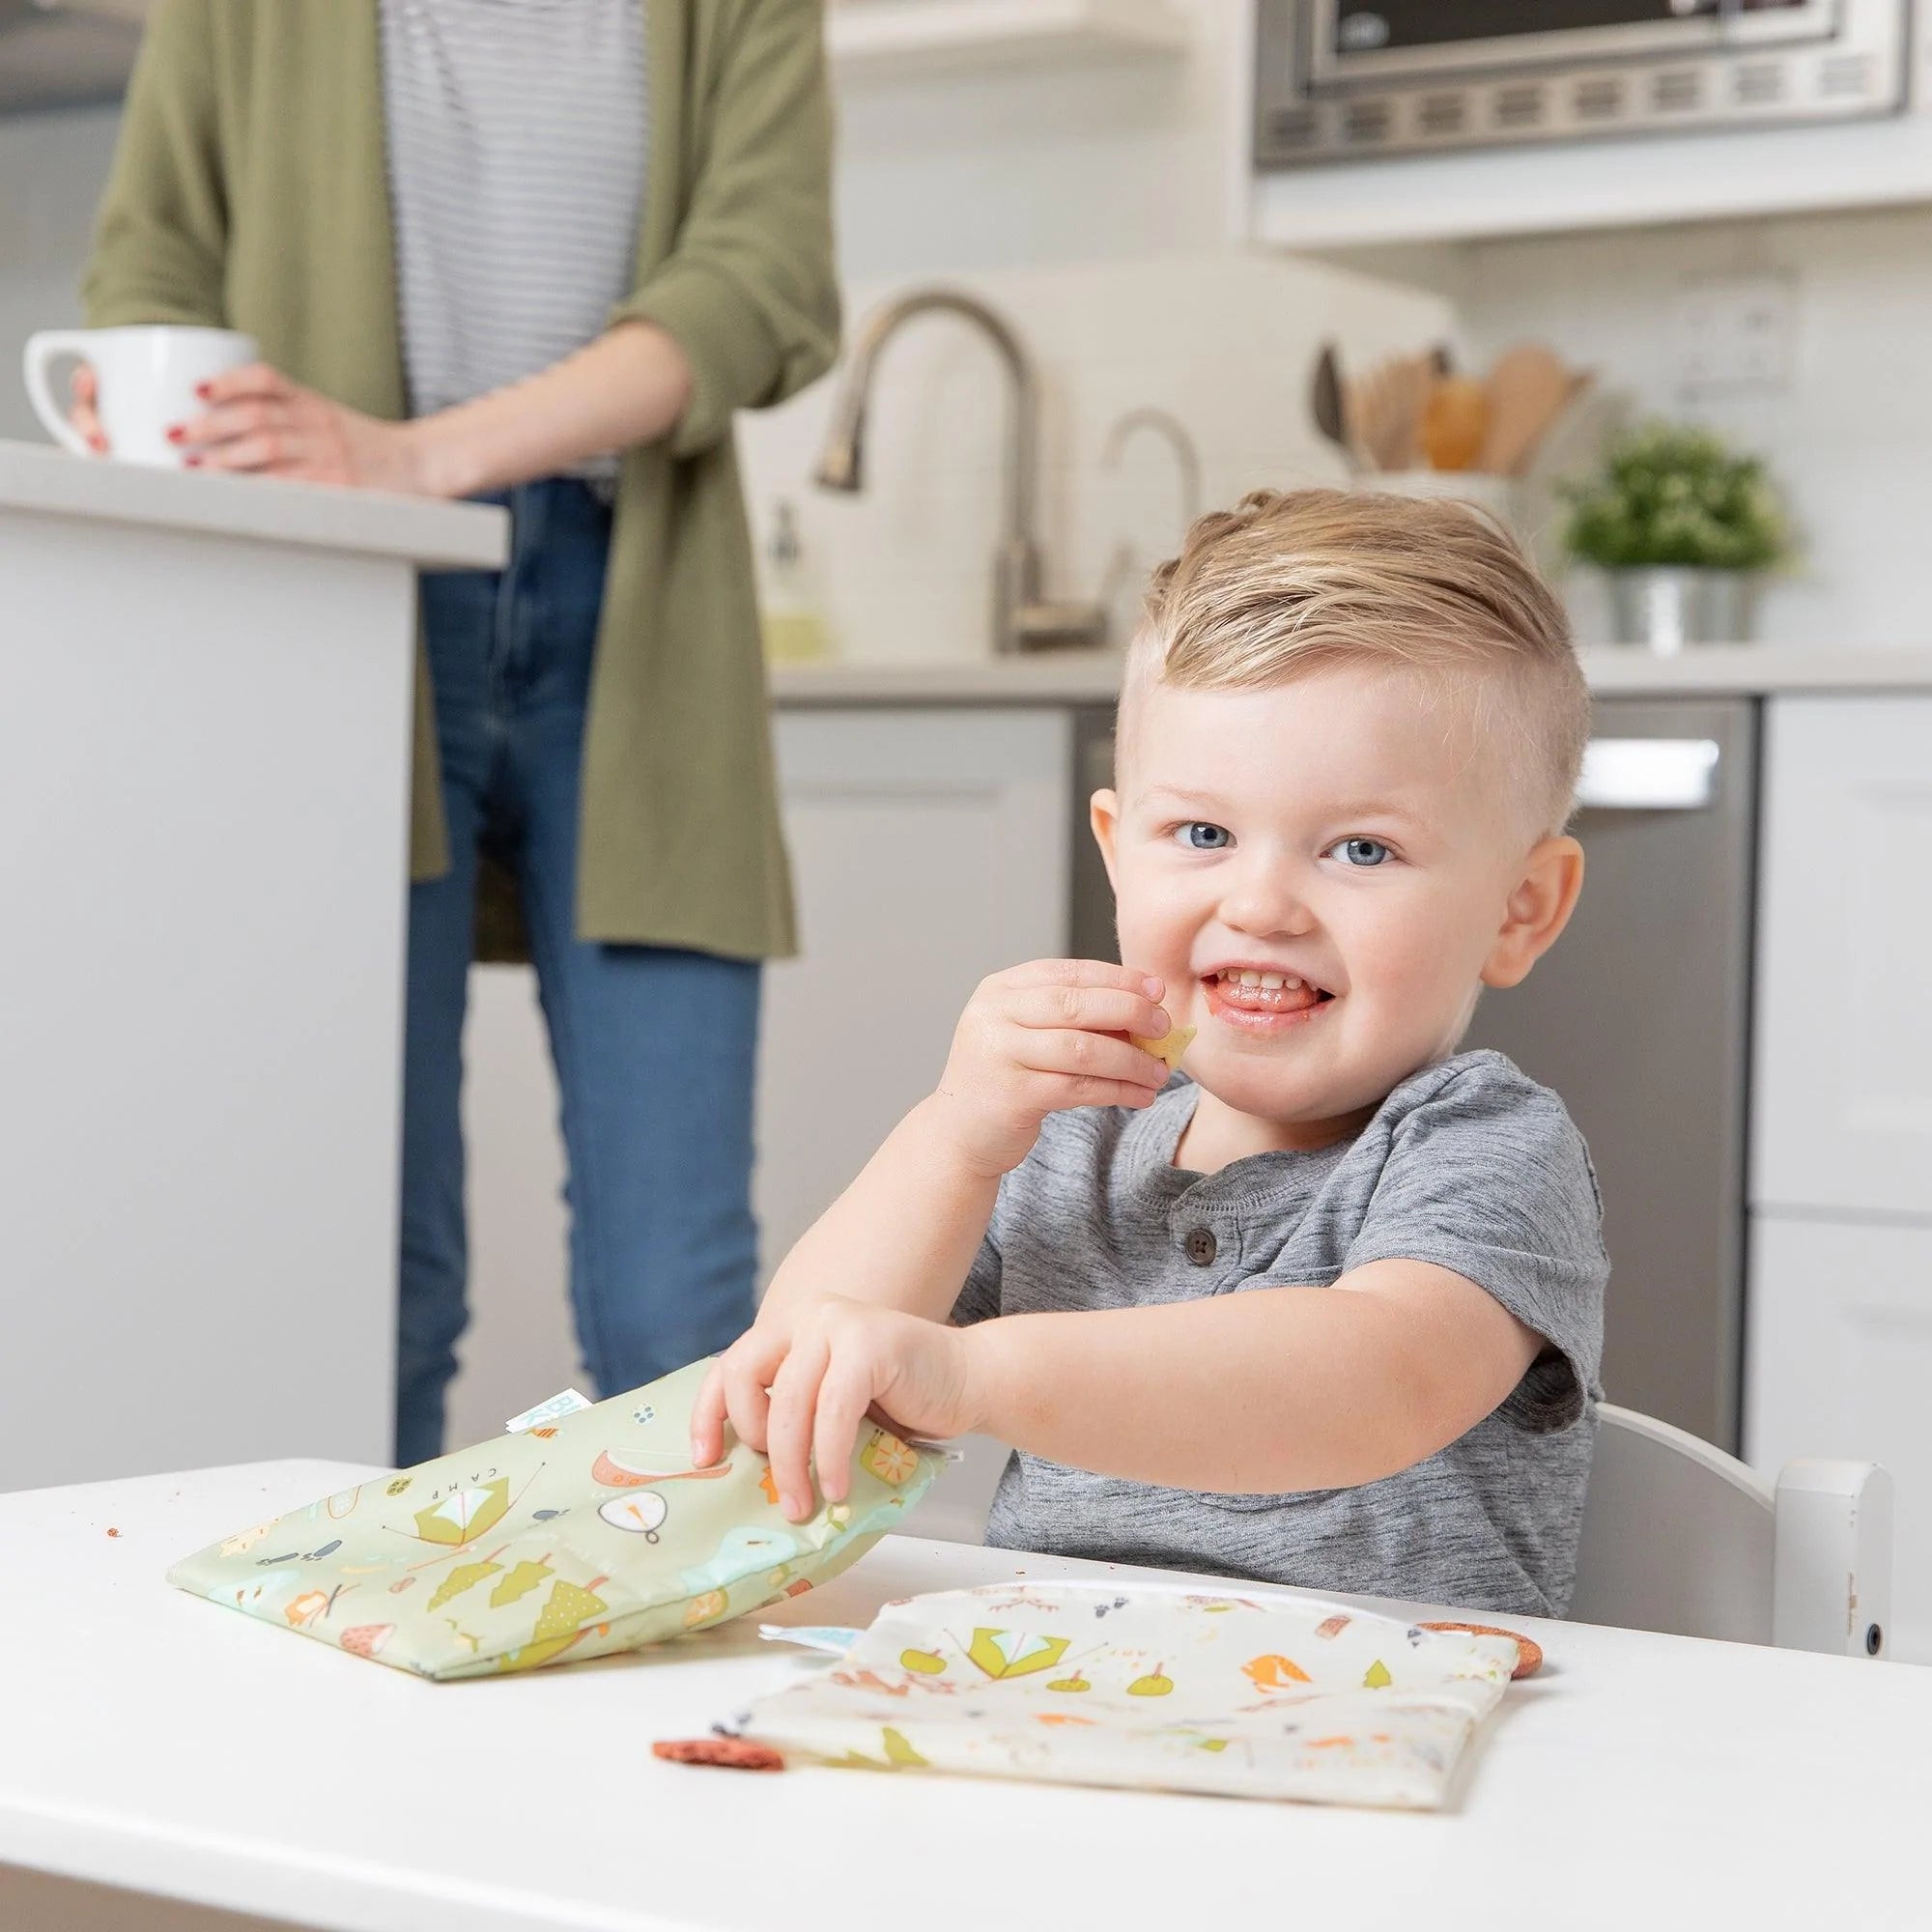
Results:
<point x="1648" y="775"/>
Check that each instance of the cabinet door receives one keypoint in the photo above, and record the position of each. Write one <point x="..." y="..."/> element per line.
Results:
<point x="1840" y="1358"/>
<point x="930" y="848"/>
<point x="1843" y="1086"/>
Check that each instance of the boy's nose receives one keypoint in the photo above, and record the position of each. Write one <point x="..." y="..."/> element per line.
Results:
<point x="1265" y="904"/>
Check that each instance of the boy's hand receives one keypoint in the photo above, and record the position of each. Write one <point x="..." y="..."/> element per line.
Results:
<point x="799" y="1389"/>
<point x="1041" y="1038"/>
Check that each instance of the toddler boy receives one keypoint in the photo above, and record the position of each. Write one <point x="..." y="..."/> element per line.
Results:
<point x="1329" y="1310"/>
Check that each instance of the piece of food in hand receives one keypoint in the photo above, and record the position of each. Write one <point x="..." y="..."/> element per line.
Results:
<point x="1528" y="1652"/>
<point x="1169" y="1047"/>
<point x="727" y="1754"/>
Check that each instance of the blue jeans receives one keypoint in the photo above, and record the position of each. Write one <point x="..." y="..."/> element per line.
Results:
<point x="654" y="1047"/>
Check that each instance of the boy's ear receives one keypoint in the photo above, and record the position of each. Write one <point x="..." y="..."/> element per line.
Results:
<point x="1538" y="911"/>
<point x="1103" y="813"/>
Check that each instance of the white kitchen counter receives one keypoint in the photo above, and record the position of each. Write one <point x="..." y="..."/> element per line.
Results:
<point x="434" y="535"/>
<point x="204" y="777"/>
<point x="1753" y="670"/>
<point x="1092" y="677"/>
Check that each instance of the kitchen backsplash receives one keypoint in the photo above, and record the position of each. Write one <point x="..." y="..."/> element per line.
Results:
<point x="1223" y="343"/>
<point x="1847" y="430"/>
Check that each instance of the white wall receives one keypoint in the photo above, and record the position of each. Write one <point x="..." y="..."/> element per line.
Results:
<point x="52" y="168"/>
<point x="974" y="172"/>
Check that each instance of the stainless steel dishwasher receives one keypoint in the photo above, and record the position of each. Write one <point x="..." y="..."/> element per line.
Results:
<point x="1640" y="1019"/>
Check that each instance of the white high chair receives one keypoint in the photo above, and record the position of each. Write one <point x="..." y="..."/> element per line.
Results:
<point x="1677" y="1537"/>
<point x="1680" y="1537"/>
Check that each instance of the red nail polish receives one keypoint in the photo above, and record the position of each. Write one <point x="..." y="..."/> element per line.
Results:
<point x="203" y="391"/>
<point x="176" y="433"/>
<point x="190" y="462"/>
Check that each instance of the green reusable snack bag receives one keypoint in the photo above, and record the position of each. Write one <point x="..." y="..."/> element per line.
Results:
<point x="577" y="1538"/>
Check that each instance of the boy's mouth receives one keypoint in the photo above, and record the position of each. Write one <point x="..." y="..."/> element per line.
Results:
<point x="1260" y="1000"/>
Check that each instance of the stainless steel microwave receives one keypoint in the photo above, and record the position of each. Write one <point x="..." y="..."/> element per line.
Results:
<point x="1351" y="79"/>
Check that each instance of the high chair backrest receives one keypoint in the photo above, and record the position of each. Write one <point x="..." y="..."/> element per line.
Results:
<point x="1680" y="1537"/>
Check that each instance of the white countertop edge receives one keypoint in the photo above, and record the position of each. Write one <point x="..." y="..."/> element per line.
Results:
<point x="1707" y="671"/>
<point x="1054" y="678"/>
<point x="437" y="535"/>
<point x="1759" y="669"/>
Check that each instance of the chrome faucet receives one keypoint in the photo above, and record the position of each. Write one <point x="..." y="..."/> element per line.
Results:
<point x="1174" y="433"/>
<point x="1023" y="620"/>
<point x="1123" y="565"/>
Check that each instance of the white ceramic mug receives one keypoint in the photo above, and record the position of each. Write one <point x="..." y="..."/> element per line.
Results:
<point x="147" y="376"/>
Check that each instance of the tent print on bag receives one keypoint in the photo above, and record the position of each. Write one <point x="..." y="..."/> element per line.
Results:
<point x="1002" y="1653"/>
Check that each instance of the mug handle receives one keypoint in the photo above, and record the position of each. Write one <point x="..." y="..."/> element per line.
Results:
<point x="40" y="353"/>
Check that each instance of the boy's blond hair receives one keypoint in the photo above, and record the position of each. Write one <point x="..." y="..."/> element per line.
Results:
<point x="1294" y="583"/>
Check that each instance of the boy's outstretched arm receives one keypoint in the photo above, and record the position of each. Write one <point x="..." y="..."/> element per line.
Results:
<point x="1262" y="1392"/>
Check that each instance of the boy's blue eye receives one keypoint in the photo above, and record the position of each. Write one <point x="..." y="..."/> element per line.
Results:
<point x="1360" y="852"/>
<point x="1198" y="836"/>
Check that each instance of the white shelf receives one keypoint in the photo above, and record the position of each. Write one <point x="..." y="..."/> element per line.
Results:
<point x="1595" y="185"/>
<point x="892" y="39"/>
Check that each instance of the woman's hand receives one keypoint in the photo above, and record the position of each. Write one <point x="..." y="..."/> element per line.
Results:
<point x="260" y="423"/>
<point x="84" y="412"/>
<point x="1041" y="1038"/>
<point x="800" y="1386"/>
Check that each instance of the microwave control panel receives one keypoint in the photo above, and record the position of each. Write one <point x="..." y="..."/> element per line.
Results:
<point x="1340" y="82"/>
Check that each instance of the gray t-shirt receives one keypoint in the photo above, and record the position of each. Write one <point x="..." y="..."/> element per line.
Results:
<point x="1468" y="1164"/>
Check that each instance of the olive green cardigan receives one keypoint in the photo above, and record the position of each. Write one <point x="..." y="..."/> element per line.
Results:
<point x="250" y="192"/>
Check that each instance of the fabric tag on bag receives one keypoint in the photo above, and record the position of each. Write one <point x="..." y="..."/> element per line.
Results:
<point x="568" y="1403"/>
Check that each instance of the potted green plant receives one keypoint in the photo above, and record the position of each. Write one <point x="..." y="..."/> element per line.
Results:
<point x="1682" y="525"/>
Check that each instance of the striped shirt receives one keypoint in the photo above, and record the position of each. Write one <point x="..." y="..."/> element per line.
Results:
<point x="518" y="144"/>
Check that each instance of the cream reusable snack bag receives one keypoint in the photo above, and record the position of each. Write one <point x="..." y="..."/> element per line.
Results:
<point x="1157" y="1687"/>
<point x="573" y="1538"/>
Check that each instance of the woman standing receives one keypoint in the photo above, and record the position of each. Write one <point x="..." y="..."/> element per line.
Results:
<point x="535" y="252"/>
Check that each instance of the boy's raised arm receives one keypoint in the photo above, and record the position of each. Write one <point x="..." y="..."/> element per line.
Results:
<point x="1032" y="1040"/>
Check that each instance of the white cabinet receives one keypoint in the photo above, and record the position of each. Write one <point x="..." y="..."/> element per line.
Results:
<point x="930" y="847"/>
<point x="1839" y="1359"/>
<point x="205" y="688"/>
<point x="1568" y="185"/>
<point x="1839" y="1315"/>
<point x="1844" y="1074"/>
<point x="904" y="39"/>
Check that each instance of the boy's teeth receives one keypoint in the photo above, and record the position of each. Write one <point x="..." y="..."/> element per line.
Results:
<point x="1269" y="992"/>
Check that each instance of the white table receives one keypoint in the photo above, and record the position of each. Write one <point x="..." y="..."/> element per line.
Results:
<point x="206" y="691"/>
<point x="152" y="1740"/>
